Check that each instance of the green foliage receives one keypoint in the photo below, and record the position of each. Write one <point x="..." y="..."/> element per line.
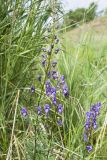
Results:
<point x="22" y="24"/>
<point x="84" y="64"/>
<point x="80" y="15"/>
<point x="91" y="12"/>
<point x="73" y="17"/>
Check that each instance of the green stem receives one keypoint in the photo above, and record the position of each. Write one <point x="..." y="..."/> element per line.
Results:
<point x="42" y="88"/>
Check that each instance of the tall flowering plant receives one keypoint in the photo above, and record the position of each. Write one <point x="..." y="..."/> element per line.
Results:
<point x="91" y="125"/>
<point x="52" y="84"/>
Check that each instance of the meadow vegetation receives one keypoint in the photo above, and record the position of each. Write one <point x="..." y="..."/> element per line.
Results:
<point x="82" y="60"/>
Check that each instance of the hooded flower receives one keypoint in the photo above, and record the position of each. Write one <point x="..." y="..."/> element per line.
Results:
<point x="39" y="110"/>
<point x="60" y="109"/>
<point x="65" y="90"/>
<point x="59" y="122"/>
<point x="24" y="111"/>
<point x="48" y="88"/>
<point x="46" y="108"/>
<point x="89" y="148"/>
<point x="32" y="89"/>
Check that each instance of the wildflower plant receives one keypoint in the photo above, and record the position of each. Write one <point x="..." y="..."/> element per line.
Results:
<point x="52" y="82"/>
<point x="52" y="85"/>
<point x="91" y="125"/>
<point x="37" y="119"/>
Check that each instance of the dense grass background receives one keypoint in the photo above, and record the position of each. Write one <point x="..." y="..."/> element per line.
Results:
<point x="83" y="61"/>
<point x="22" y="25"/>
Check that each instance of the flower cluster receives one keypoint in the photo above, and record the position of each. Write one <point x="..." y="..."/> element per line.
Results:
<point x="53" y="82"/>
<point x="91" y="123"/>
<point x="65" y="90"/>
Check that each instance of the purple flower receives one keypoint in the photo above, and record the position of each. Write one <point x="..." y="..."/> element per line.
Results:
<point x="89" y="148"/>
<point x="54" y="63"/>
<point x="44" y="62"/>
<point x="59" y="121"/>
<point x="85" y="137"/>
<point x="44" y="56"/>
<point x="57" y="50"/>
<point x="24" y="111"/>
<point x="94" y="125"/>
<point x="39" y="110"/>
<point x="32" y="89"/>
<point x="55" y="75"/>
<point x="62" y="79"/>
<point x="47" y="83"/>
<point x="88" y="115"/>
<point x="53" y="90"/>
<point x="46" y="108"/>
<point x="87" y="125"/>
<point x="44" y="49"/>
<point x="96" y="108"/>
<point x="49" y="74"/>
<point x="65" y="90"/>
<point x="60" y="109"/>
<point x="39" y="78"/>
<point x="48" y="88"/>
<point x="54" y="99"/>
<point x="99" y="104"/>
<point x="91" y="122"/>
<point x="49" y="52"/>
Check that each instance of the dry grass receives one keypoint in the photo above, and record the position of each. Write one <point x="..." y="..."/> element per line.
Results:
<point x="98" y="27"/>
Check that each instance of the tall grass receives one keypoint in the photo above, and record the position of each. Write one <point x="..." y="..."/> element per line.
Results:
<point x="22" y="24"/>
<point x="84" y="64"/>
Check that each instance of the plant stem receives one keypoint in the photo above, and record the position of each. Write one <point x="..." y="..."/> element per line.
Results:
<point x="49" y="61"/>
<point x="39" y="103"/>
